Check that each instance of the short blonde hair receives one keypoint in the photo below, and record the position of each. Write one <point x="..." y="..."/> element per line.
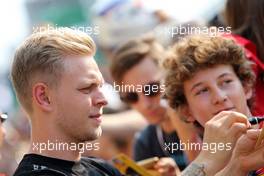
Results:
<point x="41" y="54"/>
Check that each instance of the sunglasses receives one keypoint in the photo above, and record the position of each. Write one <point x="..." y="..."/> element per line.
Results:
<point x="3" y="117"/>
<point x="149" y="90"/>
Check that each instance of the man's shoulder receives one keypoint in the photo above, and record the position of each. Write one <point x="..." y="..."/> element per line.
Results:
<point x="146" y="133"/>
<point x="42" y="172"/>
<point x="28" y="168"/>
<point x="37" y="165"/>
<point x="90" y="159"/>
<point x="100" y="165"/>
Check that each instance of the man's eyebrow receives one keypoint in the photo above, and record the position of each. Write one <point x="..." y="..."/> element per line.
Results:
<point x="91" y="79"/>
<point x="102" y="81"/>
<point x="99" y="80"/>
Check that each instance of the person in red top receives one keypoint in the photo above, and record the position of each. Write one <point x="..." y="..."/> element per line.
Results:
<point x="246" y="19"/>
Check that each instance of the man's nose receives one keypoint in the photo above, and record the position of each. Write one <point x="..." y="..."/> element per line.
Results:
<point x="99" y="98"/>
<point x="145" y="101"/>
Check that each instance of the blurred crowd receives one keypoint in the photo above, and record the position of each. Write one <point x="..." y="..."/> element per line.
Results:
<point x="131" y="38"/>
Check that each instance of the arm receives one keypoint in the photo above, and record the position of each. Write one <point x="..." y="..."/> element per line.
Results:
<point x="201" y="166"/>
<point x="194" y="169"/>
<point x="123" y="124"/>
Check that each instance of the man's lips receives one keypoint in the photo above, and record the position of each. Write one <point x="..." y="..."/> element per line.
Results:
<point x="153" y="112"/>
<point x="97" y="117"/>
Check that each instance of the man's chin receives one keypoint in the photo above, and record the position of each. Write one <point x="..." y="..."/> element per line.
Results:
<point x="90" y="135"/>
<point x="157" y="121"/>
<point x="97" y="133"/>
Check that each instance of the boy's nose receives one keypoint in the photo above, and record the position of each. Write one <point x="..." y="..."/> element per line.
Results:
<point x="219" y="96"/>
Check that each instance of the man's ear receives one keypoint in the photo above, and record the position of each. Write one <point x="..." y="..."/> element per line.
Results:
<point x="41" y="96"/>
<point x="185" y="112"/>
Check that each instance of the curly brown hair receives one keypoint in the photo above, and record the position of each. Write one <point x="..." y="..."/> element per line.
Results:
<point x="198" y="52"/>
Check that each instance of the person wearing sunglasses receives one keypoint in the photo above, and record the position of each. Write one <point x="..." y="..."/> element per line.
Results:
<point x="137" y="78"/>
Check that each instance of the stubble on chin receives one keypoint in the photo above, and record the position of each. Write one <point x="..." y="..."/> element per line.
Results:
<point x="91" y="135"/>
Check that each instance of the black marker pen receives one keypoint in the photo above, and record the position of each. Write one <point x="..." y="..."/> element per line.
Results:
<point x="254" y="120"/>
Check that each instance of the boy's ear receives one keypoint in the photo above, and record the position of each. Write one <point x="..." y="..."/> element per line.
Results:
<point x="248" y="91"/>
<point x="185" y="112"/>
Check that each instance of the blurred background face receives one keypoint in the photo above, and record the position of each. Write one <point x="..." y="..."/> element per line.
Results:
<point x="79" y="100"/>
<point x="142" y="74"/>
<point x="2" y="133"/>
<point x="214" y="90"/>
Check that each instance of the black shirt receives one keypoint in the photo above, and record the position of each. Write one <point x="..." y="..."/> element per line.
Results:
<point x="38" y="165"/>
<point x="148" y="144"/>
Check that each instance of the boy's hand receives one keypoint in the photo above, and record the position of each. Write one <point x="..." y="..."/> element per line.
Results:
<point x="223" y="129"/>
<point x="245" y="158"/>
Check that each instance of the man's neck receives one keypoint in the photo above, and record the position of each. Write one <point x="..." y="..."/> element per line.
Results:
<point x="51" y="144"/>
<point x="167" y="126"/>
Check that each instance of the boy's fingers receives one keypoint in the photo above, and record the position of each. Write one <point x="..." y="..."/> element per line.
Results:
<point x="253" y="133"/>
<point x="237" y="129"/>
<point x="246" y="142"/>
<point x="254" y="160"/>
<point x="232" y="117"/>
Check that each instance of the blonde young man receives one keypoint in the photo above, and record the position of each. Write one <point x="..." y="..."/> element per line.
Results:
<point x="57" y="82"/>
<point x="209" y="80"/>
